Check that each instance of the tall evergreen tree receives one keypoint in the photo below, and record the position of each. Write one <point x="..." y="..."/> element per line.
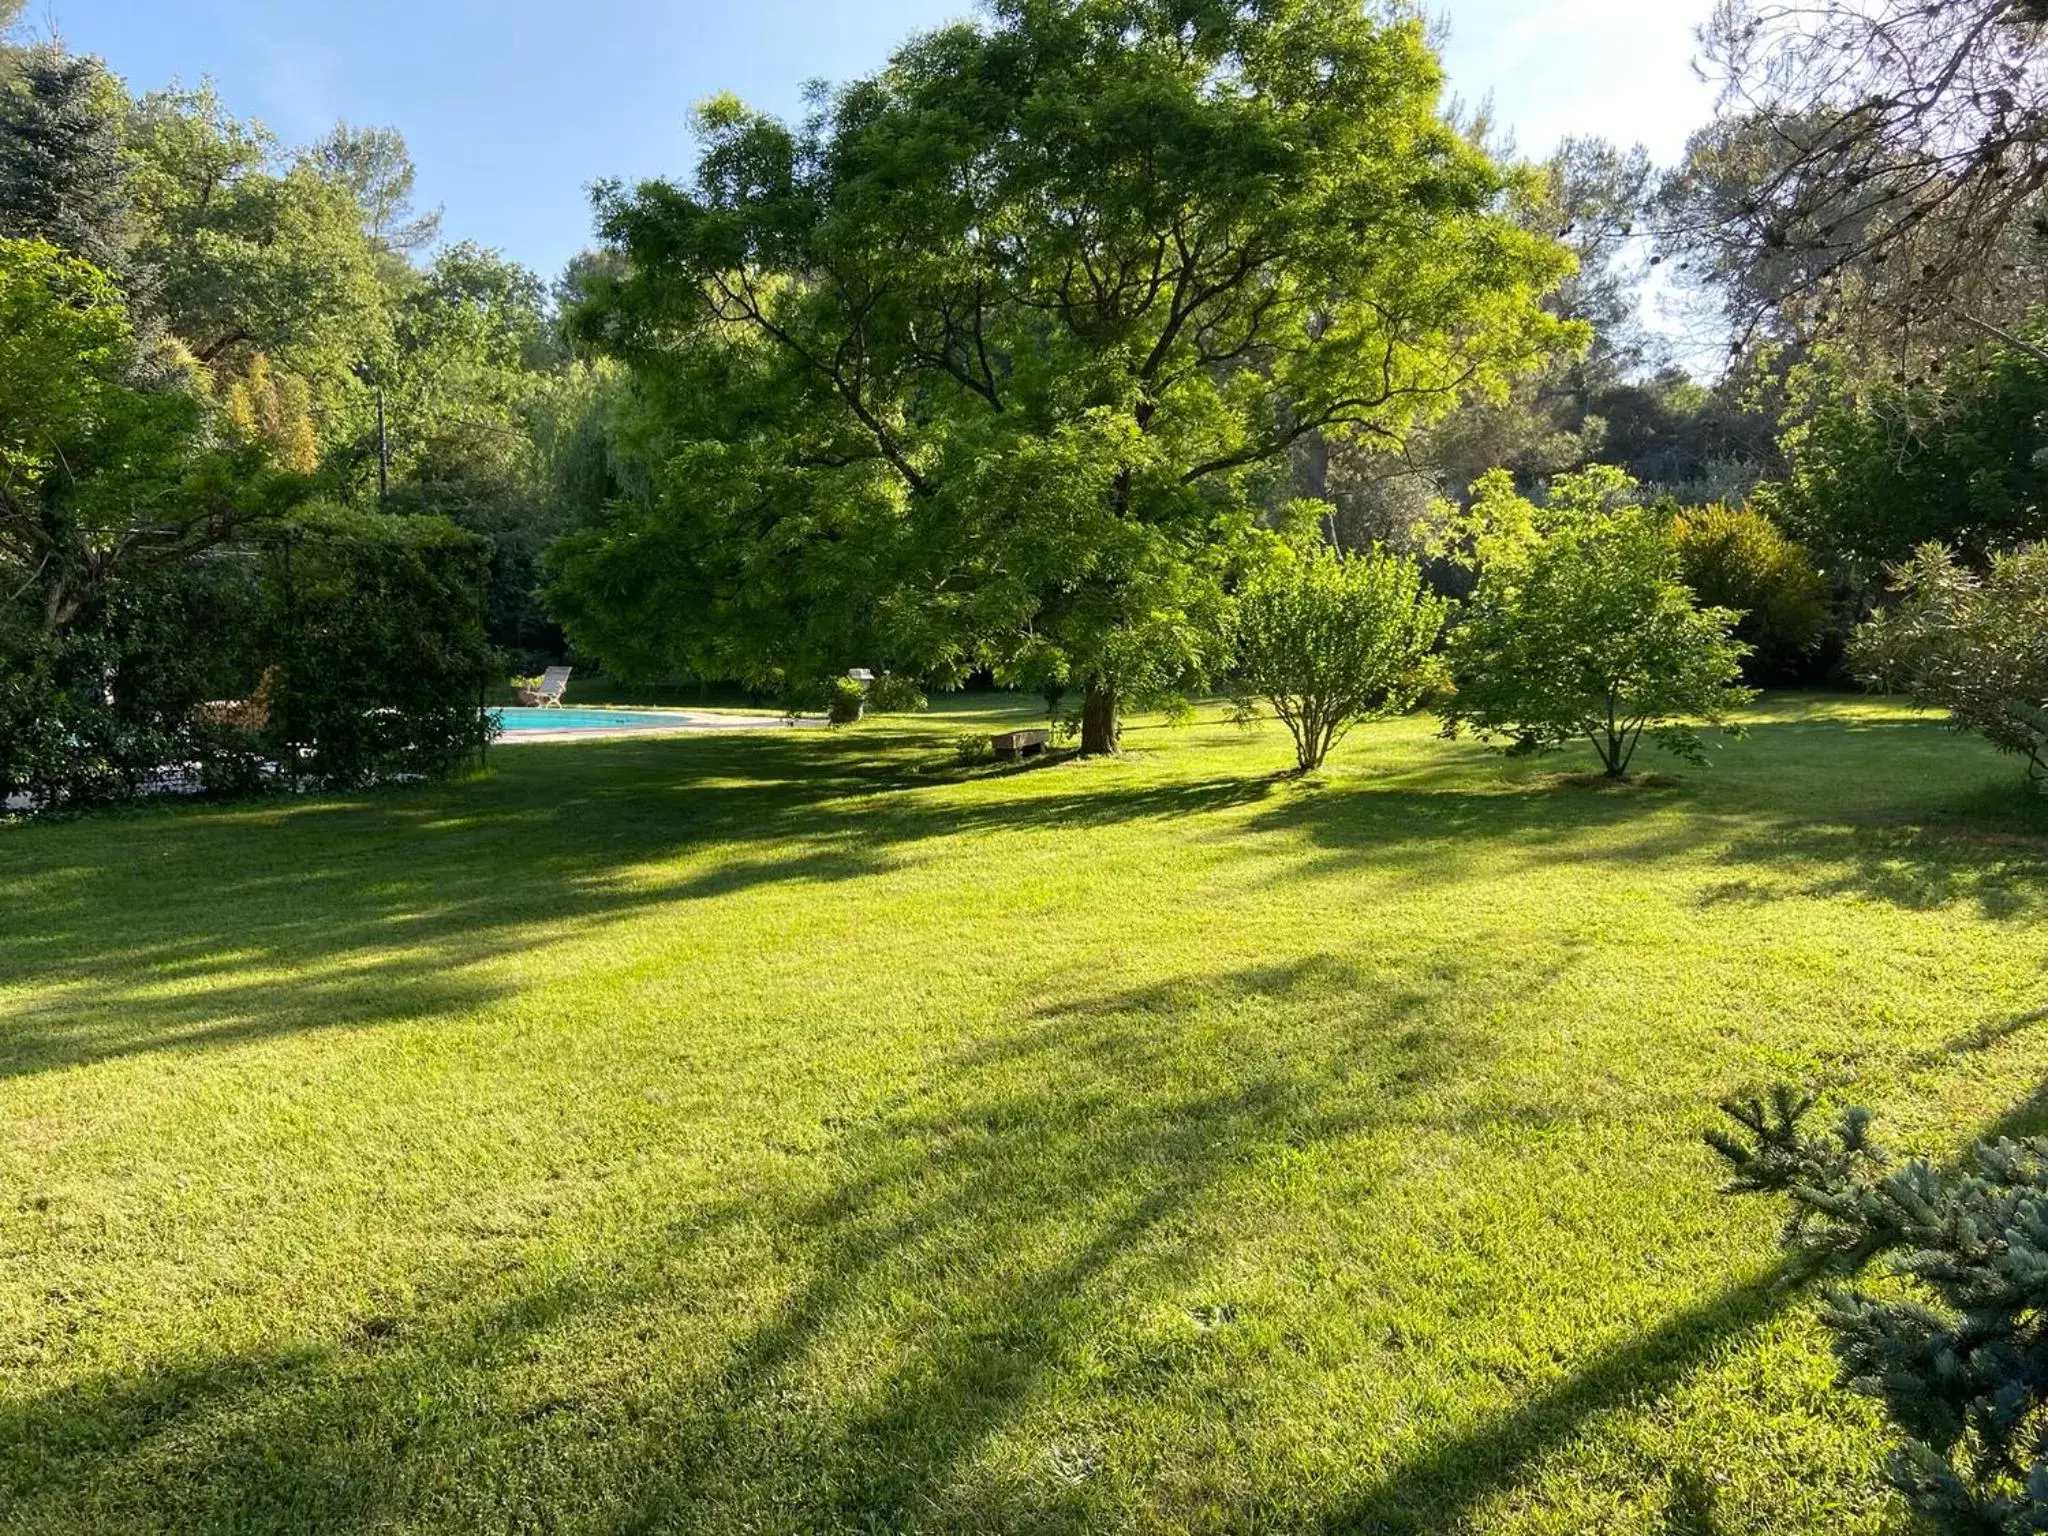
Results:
<point x="63" y="174"/>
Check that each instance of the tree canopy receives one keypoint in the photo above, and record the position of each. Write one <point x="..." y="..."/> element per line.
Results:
<point x="1973" y="644"/>
<point x="1876" y="173"/>
<point x="99" y="475"/>
<point x="206" y="341"/>
<point x="990" y="363"/>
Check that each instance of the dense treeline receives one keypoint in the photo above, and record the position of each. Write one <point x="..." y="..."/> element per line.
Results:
<point x="231" y="370"/>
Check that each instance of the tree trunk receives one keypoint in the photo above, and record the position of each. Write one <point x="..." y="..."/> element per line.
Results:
<point x="1101" y="724"/>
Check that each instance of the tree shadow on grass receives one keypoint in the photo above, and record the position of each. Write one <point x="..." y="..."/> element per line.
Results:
<point x="202" y="927"/>
<point x="951" y="1254"/>
<point x="1123" y="1148"/>
<point x="1945" y="856"/>
<point x="1893" y="843"/>
<point x="1443" y="1487"/>
<point x="1419" y="827"/>
<point x="1440" y="1489"/>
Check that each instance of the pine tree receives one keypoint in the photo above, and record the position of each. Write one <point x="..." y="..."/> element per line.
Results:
<point x="63" y="171"/>
<point x="1960" y="1359"/>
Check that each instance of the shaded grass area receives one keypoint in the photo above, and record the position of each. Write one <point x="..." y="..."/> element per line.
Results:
<point x="802" y="1133"/>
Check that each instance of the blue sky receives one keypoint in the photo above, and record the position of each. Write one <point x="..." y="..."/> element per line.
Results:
<point x="513" y="107"/>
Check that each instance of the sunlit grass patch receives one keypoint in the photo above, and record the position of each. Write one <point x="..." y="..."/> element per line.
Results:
<point x="809" y="1133"/>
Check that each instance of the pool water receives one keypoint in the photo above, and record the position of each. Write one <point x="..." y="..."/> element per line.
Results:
<point x="518" y="722"/>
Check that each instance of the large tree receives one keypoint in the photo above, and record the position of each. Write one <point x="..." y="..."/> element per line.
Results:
<point x="101" y="477"/>
<point x="1877" y="469"/>
<point x="63" y="174"/>
<point x="989" y="363"/>
<point x="376" y="169"/>
<point x="1591" y="196"/>
<point x="1876" y="173"/>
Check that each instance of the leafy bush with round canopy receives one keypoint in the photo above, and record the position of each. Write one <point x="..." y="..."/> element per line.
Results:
<point x="1331" y="640"/>
<point x="1974" y="645"/>
<point x="1737" y="558"/>
<point x="1582" y="626"/>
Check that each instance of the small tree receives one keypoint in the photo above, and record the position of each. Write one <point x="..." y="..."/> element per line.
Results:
<point x="1330" y="641"/>
<point x="1582" y="626"/>
<point x="1975" y="646"/>
<point x="1961" y="1362"/>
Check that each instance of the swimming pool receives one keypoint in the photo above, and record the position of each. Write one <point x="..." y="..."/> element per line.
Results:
<point x="528" y="722"/>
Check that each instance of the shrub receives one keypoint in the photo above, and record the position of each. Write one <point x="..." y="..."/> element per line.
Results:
<point x="845" y="701"/>
<point x="1880" y="468"/>
<point x="972" y="748"/>
<point x="381" y="624"/>
<point x="896" y="695"/>
<point x="96" y="712"/>
<point x="233" y="763"/>
<point x="120" y="608"/>
<point x="1582" y="626"/>
<point x="1739" y="559"/>
<point x="1959" y="1358"/>
<point x="1328" y="642"/>
<point x="1976" y="646"/>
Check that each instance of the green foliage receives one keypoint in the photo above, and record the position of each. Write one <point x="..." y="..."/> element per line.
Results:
<point x="1960" y="1362"/>
<point x="380" y="626"/>
<point x="892" y="694"/>
<point x="1961" y="458"/>
<point x="283" y="277"/>
<point x="1328" y="641"/>
<point x="116" y="634"/>
<point x="104" y="706"/>
<point x="118" y="627"/>
<point x="275" y="265"/>
<point x="1582" y="626"/>
<point x="63" y="176"/>
<point x="846" y="701"/>
<point x="164" y="411"/>
<point x="253" y="255"/>
<point x="480" y="411"/>
<point x="1737" y="558"/>
<point x="83" y="447"/>
<point x="375" y="168"/>
<point x="993" y="362"/>
<point x="1974" y="645"/>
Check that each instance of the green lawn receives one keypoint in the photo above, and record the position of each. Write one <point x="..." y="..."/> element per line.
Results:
<point x="800" y="1133"/>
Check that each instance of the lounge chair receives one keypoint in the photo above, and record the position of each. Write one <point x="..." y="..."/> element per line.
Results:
<point x="554" y="683"/>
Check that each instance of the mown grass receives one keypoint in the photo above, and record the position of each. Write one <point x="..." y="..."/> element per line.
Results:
<point x="801" y="1133"/>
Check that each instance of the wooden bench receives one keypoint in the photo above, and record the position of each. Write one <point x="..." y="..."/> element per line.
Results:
<point x="1012" y="745"/>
